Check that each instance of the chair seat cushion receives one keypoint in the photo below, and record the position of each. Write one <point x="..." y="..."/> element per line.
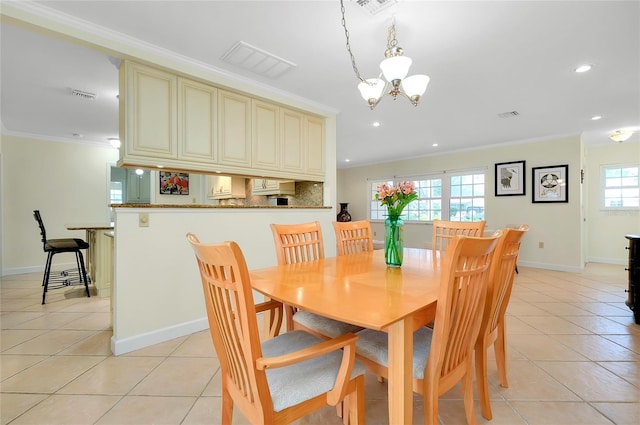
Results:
<point x="323" y="325"/>
<point x="293" y="384"/>
<point x="374" y="345"/>
<point x="67" y="244"/>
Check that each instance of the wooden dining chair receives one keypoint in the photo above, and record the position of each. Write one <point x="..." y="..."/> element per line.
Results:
<point x="492" y="328"/>
<point x="443" y="356"/>
<point x="283" y="378"/>
<point x="353" y="236"/>
<point x="296" y="243"/>
<point x="444" y="231"/>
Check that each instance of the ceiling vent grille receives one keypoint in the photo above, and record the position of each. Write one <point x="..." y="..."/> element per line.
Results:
<point x="375" y="6"/>
<point x="256" y="60"/>
<point x="83" y="94"/>
<point x="510" y="114"/>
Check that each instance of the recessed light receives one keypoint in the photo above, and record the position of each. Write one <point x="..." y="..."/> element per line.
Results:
<point x="347" y="160"/>
<point x="596" y="118"/>
<point x="77" y="135"/>
<point x="376" y="124"/>
<point x="583" y="68"/>
<point x="435" y="145"/>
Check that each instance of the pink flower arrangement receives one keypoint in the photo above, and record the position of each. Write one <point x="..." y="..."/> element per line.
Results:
<point x="396" y="197"/>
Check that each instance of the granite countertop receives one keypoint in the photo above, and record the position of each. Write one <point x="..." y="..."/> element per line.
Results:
<point x="279" y="207"/>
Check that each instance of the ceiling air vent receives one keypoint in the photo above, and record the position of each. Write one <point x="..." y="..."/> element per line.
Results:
<point x="257" y="60"/>
<point x="510" y="114"/>
<point x="375" y="6"/>
<point x="83" y="94"/>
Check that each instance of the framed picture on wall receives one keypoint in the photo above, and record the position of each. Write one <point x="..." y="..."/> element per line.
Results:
<point x="510" y="178"/>
<point x="174" y="183"/>
<point x="551" y="183"/>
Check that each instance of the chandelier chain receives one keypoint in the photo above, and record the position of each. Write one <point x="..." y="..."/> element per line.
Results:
<point x="392" y="42"/>
<point x="346" y="33"/>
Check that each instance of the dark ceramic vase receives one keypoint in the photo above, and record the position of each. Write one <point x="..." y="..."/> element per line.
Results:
<point x="343" y="215"/>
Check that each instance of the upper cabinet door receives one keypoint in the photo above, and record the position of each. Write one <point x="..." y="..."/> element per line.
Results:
<point x="292" y="140"/>
<point x="234" y="121"/>
<point x="197" y="121"/>
<point x="148" y="114"/>
<point x="314" y="133"/>
<point x="266" y="135"/>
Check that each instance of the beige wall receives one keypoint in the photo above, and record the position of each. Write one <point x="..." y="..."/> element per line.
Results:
<point x="606" y="229"/>
<point x="67" y="182"/>
<point x="557" y="225"/>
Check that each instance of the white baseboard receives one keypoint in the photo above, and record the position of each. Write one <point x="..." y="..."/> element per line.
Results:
<point x="37" y="269"/>
<point x="557" y="267"/>
<point x="126" y="345"/>
<point x="618" y="261"/>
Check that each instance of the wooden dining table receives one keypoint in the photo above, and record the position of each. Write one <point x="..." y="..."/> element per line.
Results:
<point x="361" y="289"/>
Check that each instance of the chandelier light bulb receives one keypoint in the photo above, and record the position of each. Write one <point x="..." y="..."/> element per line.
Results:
<point x="371" y="89"/>
<point x="395" y="67"/>
<point x="415" y="85"/>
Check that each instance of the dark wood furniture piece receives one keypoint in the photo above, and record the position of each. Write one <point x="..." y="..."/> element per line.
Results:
<point x="633" y="300"/>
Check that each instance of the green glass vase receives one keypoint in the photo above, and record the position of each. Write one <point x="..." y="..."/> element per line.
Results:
<point x="393" y="240"/>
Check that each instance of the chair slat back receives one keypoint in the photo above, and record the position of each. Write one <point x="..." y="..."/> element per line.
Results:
<point x="460" y="302"/>
<point x="501" y="277"/>
<point x="232" y="318"/>
<point x="353" y="236"/>
<point x="444" y="231"/>
<point x="43" y="232"/>
<point x="296" y="243"/>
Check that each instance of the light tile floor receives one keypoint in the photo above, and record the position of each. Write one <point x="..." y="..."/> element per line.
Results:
<point x="574" y="358"/>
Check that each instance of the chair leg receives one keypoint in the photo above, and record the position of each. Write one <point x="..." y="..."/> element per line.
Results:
<point x="227" y="407"/>
<point x="45" y="278"/>
<point x="500" y="348"/>
<point x="354" y="402"/>
<point x="467" y="387"/>
<point x="482" y="379"/>
<point x="430" y="400"/>
<point x="82" y="271"/>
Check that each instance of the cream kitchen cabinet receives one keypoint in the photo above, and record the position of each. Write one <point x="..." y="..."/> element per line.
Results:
<point x="197" y="121"/>
<point x="148" y="112"/>
<point x="265" y="140"/>
<point x="273" y="187"/>
<point x="314" y="145"/>
<point x="234" y="129"/>
<point x="292" y="124"/>
<point x="183" y="124"/>
<point x="225" y="187"/>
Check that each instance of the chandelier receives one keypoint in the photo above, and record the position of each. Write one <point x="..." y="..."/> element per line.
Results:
<point x="394" y="68"/>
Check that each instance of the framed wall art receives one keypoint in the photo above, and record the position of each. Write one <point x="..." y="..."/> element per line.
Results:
<point x="510" y="178"/>
<point x="551" y="183"/>
<point x="174" y="183"/>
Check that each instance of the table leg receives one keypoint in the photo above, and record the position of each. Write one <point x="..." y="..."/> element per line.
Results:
<point x="400" y="372"/>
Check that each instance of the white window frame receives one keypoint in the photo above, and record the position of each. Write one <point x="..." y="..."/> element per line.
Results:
<point x="627" y="188"/>
<point x="378" y="213"/>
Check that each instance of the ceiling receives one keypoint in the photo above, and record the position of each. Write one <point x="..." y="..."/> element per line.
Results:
<point x="484" y="58"/>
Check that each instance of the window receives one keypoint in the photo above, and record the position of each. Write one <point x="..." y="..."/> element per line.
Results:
<point x="456" y="196"/>
<point x="620" y="186"/>
<point x="116" y="192"/>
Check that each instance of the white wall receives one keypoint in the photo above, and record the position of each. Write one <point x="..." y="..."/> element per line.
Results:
<point x="157" y="291"/>
<point x="557" y="225"/>
<point x="606" y="242"/>
<point x="67" y="182"/>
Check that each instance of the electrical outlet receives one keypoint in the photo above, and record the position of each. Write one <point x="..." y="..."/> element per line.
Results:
<point x="143" y="220"/>
<point x="540" y="244"/>
<point x="375" y="233"/>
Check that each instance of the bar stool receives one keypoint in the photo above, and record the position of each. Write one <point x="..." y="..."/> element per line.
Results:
<point x="56" y="246"/>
